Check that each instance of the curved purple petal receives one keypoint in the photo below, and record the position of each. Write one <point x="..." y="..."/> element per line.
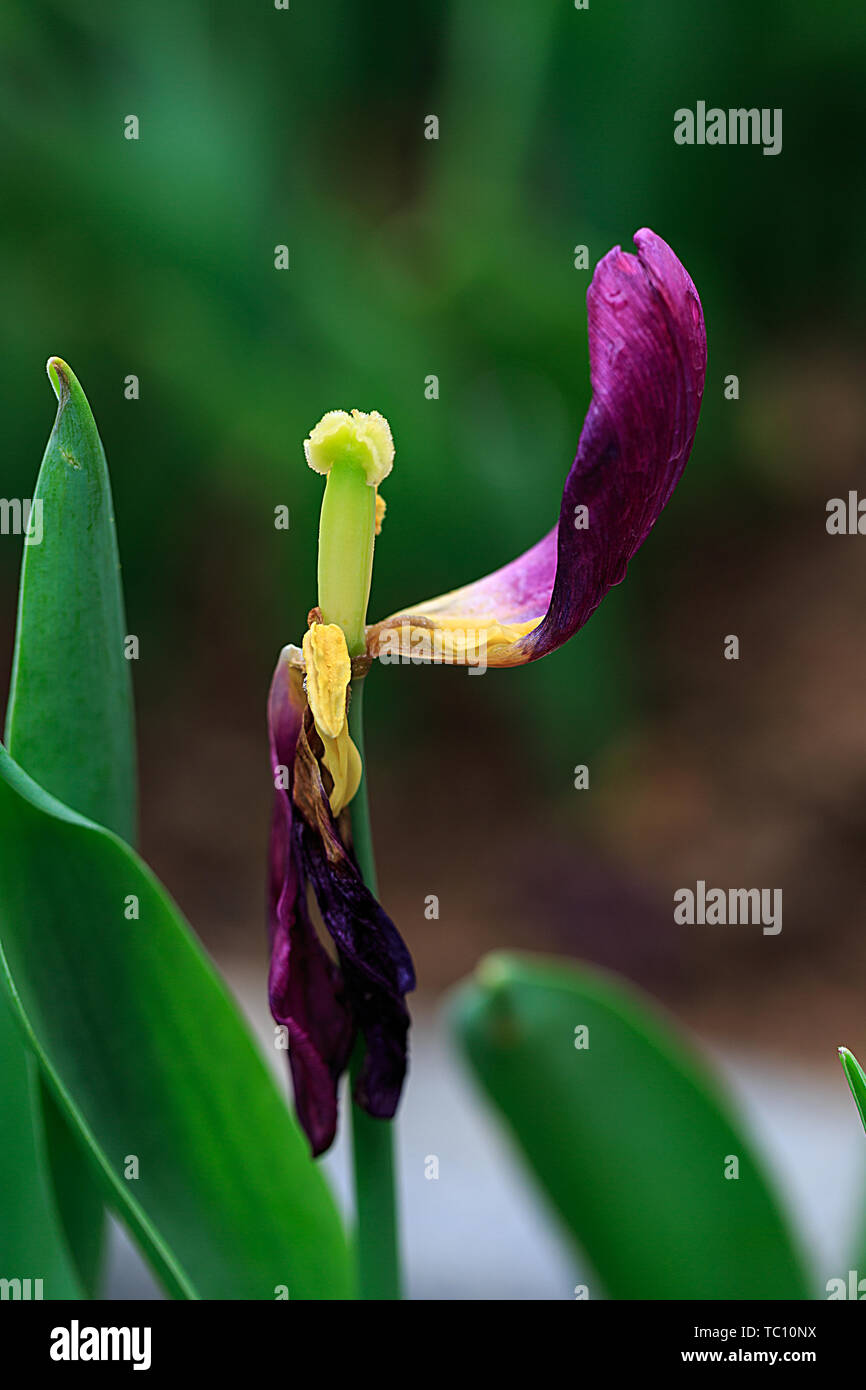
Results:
<point x="647" y="347"/>
<point x="377" y="970"/>
<point x="324" y="1003"/>
<point x="306" y="991"/>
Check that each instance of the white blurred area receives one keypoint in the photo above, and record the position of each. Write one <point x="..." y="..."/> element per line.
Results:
<point x="480" y="1231"/>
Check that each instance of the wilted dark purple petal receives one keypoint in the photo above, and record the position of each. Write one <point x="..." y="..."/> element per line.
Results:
<point x="647" y="349"/>
<point x="306" y="991"/>
<point x="376" y="966"/>
<point x="323" y="1003"/>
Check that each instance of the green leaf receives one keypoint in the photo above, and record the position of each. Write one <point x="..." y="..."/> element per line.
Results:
<point x="856" y="1078"/>
<point x="70" y="720"/>
<point x="31" y="1241"/>
<point x="151" y="1060"/>
<point x="628" y="1136"/>
<point x="77" y="1189"/>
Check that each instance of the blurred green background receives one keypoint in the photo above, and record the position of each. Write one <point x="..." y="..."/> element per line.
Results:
<point x="409" y="257"/>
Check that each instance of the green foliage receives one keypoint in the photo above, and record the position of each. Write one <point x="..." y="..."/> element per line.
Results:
<point x="856" y="1078"/>
<point x="70" y="721"/>
<point x="626" y="1133"/>
<point x="31" y="1241"/>
<point x="153" y="1065"/>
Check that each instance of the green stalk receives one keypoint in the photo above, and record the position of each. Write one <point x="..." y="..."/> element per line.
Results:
<point x="377" y="1236"/>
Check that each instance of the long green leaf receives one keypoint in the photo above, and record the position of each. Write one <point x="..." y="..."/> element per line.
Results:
<point x="150" y="1059"/>
<point x="856" y="1079"/>
<point x="69" y="720"/>
<point x="626" y="1133"/>
<point x="31" y="1239"/>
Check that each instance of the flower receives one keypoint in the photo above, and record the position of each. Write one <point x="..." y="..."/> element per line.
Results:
<point x="647" y="348"/>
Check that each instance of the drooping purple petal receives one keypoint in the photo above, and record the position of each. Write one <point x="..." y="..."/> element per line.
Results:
<point x="377" y="971"/>
<point x="307" y="994"/>
<point x="647" y="347"/>
<point x="325" y="1003"/>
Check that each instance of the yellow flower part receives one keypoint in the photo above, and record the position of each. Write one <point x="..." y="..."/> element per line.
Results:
<point x="381" y="508"/>
<point x="424" y="636"/>
<point x="329" y="671"/>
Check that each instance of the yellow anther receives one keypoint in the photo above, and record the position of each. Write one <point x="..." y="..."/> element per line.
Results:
<point x="381" y="509"/>
<point x="328" y="672"/>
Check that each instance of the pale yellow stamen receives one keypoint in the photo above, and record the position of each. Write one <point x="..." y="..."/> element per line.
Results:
<point x="381" y="509"/>
<point x="458" y="641"/>
<point x="461" y="632"/>
<point x="329" y="671"/>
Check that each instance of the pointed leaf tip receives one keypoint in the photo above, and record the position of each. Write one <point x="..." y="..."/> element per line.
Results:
<point x="856" y="1078"/>
<point x="69" y="719"/>
<point x="493" y="972"/>
<point x="60" y="375"/>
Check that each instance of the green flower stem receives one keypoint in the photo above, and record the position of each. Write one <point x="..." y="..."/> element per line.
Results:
<point x="377" y="1236"/>
<point x="346" y="534"/>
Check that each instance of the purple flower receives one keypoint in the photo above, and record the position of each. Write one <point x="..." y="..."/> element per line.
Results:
<point x="647" y="349"/>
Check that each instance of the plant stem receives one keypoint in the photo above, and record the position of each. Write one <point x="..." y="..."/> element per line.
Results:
<point x="376" y="1236"/>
